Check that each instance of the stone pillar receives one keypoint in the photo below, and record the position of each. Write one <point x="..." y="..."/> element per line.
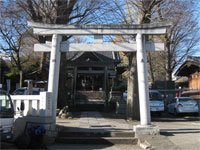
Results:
<point x="145" y="127"/>
<point x="54" y="70"/>
<point x="145" y="118"/>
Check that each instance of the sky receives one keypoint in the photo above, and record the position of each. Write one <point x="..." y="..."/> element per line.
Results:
<point x="197" y="2"/>
<point x="197" y="53"/>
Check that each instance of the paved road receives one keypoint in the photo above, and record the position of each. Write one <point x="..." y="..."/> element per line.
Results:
<point x="183" y="131"/>
<point x="5" y="145"/>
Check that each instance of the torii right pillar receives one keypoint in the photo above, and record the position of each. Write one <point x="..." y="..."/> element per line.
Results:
<point x="145" y="127"/>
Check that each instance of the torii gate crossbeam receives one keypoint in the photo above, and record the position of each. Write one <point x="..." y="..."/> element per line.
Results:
<point x="112" y="29"/>
<point x="145" y="29"/>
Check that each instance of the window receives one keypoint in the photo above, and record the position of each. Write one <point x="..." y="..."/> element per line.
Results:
<point x="5" y="102"/>
<point x="154" y="96"/>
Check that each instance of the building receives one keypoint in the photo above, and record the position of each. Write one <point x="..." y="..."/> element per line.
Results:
<point x="191" y="69"/>
<point x="90" y="75"/>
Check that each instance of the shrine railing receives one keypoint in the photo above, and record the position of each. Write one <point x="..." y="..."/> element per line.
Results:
<point x="32" y="105"/>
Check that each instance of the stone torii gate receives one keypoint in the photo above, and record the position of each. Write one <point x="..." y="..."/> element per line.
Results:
<point x="140" y="46"/>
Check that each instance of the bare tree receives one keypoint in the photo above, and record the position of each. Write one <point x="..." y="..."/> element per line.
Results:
<point x="183" y="36"/>
<point x="17" y="41"/>
<point x="11" y="33"/>
<point x="181" y="39"/>
<point x="65" y="12"/>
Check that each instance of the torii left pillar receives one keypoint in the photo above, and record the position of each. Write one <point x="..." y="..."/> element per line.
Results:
<point x="54" y="70"/>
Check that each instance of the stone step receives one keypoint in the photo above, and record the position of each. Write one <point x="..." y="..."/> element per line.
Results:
<point x="97" y="140"/>
<point x="95" y="134"/>
<point x="90" y="107"/>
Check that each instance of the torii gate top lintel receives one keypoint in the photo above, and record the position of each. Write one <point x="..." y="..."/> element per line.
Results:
<point x="97" y="29"/>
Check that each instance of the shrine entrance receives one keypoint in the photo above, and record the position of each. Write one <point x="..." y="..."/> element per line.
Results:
<point x="140" y="46"/>
<point x="89" y="76"/>
<point x="86" y="82"/>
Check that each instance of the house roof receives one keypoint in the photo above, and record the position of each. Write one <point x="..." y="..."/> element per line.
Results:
<point x="191" y="65"/>
<point x="182" y="80"/>
<point x="104" y="57"/>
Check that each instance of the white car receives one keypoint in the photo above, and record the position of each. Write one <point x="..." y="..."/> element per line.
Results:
<point x="24" y="91"/>
<point x="156" y="102"/>
<point x="6" y="116"/>
<point x="183" y="105"/>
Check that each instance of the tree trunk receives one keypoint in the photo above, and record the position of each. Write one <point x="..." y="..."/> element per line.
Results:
<point x="19" y="67"/>
<point x="20" y="78"/>
<point x="43" y="58"/>
<point x="132" y="110"/>
<point x="62" y="90"/>
<point x="151" y="68"/>
<point x="130" y="88"/>
<point x="136" y="105"/>
<point x="169" y="67"/>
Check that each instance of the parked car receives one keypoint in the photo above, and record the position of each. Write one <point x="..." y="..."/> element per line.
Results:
<point x="180" y="105"/>
<point x="156" y="102"/>
<point x="24" y="91"/>
<point x="6" y="116"/>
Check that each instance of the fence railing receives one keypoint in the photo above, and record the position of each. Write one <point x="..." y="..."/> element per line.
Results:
<point x="32" y="105"/>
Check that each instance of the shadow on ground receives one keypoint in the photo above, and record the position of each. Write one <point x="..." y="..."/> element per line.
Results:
<point x="171" y="118"/>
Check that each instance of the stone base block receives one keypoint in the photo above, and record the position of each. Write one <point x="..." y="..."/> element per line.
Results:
<point x="141" y="130"/>
<point x="21" y="124"/>
<point x="49" y="140"/>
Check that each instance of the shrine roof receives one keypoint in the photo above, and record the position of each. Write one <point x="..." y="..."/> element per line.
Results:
<point x="191" y="65"/>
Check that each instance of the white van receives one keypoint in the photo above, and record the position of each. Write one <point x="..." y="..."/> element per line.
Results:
<point x="6" y="116"/>
<point x="156" y="102"/>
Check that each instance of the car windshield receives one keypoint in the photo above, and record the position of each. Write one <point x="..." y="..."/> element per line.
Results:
<point x="5" y="102"/>
<point x="19" y="92"/>
<point x="187" y="100"/>
<point x="154" y="96"/>
<point x="25" y="91"/>
<point x="36" y="92"/>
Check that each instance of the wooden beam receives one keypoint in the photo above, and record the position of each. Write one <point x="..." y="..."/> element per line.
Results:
<point x="92" y="72"/>
<point x="50" y="29"/>
<point x="123" y="47"/>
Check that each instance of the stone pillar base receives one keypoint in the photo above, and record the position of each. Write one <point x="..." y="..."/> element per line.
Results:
<point x="141" y="130"/>
<point x="22" y="123"/>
